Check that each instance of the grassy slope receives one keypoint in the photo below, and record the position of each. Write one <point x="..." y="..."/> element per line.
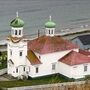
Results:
<point x="37" y="81"/>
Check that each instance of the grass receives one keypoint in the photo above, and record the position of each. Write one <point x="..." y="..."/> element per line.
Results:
<point x="36" y="81"/>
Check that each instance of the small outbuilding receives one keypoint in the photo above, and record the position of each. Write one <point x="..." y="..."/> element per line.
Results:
<point x="82" y="41"/>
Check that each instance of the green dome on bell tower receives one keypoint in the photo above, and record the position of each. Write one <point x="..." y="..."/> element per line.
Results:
<point x="17" y="22"/>
<point x="50" y="24"/>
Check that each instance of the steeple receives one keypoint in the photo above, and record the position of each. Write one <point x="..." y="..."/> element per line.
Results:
<point x="50" y="27"/>
<point x="16" y="48"/>
<point x="17" y="26"/>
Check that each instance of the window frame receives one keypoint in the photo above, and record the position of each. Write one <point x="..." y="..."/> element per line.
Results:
<point x="49" y="31"/>
<point x="10" y="52"/>
<point x="29" y="69"/>
<point x="16" y="70"/>
<point x="20" y="53"/>
<point x="19" y="32"/>
<point x="85" y="68"/>
<point x="16" y="32"/>
<point x="37" y="69"/>
<point x="24" y="69"/>
<point x="52" y="31"/>
<point x="53" y="66"/>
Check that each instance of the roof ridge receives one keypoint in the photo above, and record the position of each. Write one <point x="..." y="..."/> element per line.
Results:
<point x="53" y="44"/>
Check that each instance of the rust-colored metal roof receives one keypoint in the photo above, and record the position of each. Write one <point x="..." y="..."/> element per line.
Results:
<point x="33" y="58"/>
<point x="75" y="58"/>
<point x="47" y="44"/>
<point x="85" y="52"/>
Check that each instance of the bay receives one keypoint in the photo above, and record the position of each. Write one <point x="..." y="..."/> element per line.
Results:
<point x="35" y="13"/>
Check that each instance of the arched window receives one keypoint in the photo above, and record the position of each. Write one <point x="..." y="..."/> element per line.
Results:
<point x="85" y="68"/>
<point x="15" y="32"/>
<point x="20" y="53"/>
<point x="52" y="31"/>
<point x="39" y="57"/>
<point x="29" y="69"/>
<point x="49" y="31"/>
<point x="53" y="66"/>
<point x="23" y="68"/>
<point x="10" y="52"/>
<point x="16" y="70"/>
<point x="37" y="69"/>
<point x="19" y="32"/>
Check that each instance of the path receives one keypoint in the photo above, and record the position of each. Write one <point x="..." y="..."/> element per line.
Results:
<point x="2" y="78"/>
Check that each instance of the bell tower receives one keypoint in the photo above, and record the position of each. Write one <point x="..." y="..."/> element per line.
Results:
<point x="17" y="27"/>
<point x="50" y="27"/>
<point x="16" y="48"/>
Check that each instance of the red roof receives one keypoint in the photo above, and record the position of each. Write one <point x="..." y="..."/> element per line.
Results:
<point x="47" y="44"/>
<point x="33" y="58"/>
<point x="85" y="52"/>
<point x="75" y="58"/>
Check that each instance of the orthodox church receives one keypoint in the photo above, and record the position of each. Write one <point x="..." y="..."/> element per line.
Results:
<point x="45" y="55"/>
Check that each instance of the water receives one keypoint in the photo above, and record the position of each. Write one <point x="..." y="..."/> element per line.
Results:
<point x="36" y="12"/>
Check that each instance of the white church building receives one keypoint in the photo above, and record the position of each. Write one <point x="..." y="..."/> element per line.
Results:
<point x="45" y="55"/>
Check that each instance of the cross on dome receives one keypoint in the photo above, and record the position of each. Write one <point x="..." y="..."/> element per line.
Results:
<point x="17" y="22"/>
<point x="17" y="14"/>
<point x="50" y="23"/>
<point x="50" y="18"/>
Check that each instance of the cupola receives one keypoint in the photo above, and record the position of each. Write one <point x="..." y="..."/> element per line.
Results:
<point x="17" y="26"/>
<point x="50" y="27"/>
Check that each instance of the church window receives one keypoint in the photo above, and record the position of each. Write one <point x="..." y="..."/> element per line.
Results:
<point x="49" y="31"/>
<point x="10" y="52"/>
<point x="75" y="67"/>
<point x="20" y="53"/>
<point x="29" y="69"/>
<point x="24" y="69"/>
<point x="36" y="69"/>
<point x="53" y="66"/>
<point x="52" y="31"/>
<point x="85" y="68"/>
<point x="19" y="32"/>
<point x="16" y="70"/>
<point x="39" y="57"/>
<point x="15" y="32"/>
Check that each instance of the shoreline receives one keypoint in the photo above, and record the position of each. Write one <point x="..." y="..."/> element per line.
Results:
<point x="66" y="34"/>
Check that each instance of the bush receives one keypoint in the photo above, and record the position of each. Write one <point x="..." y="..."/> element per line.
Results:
<point x="22" y="77"/>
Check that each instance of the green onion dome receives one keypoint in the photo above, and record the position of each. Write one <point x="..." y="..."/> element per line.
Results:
<point x="50" y="24"/>
<point x="17" y="22"/>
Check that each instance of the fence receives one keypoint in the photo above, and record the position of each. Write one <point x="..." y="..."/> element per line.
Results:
<point x="81" y="85"/>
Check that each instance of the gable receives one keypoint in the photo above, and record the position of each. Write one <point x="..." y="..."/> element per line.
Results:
<point x="75" y="58"/>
